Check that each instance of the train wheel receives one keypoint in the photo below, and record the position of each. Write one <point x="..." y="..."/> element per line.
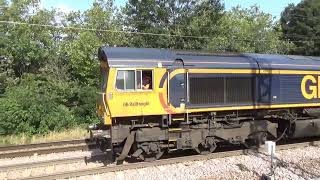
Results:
<point x="148" y="152"/>
<point x="151" y="157"/>
<point x="207" y="146"/>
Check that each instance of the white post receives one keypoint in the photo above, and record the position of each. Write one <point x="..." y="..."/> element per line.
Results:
<point x="271" y="150"/>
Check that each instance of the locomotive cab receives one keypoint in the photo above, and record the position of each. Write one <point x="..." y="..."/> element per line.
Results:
<point x="128" y="92"/>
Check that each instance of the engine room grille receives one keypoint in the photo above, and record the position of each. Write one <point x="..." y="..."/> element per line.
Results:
<point x="239" y="89"/>
<point x="220" y="90"/>
<point x="206" y="90"/>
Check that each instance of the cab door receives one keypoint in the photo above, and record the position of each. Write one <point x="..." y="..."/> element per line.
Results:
<point x="177" y="85"/>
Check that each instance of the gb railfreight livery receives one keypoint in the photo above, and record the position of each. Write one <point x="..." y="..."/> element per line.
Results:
<point x="154" y="100"/>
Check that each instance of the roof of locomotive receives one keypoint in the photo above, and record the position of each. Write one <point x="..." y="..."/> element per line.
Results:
<point x="150" y="57"/>
<point x="290" y="62"/>
<point x="135" y="57"/>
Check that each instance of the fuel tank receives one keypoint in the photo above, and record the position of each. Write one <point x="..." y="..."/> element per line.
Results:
<point x="313" y="112"/>
<point x="305" y="128"/>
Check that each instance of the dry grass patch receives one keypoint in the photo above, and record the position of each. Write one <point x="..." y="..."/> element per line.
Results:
<point x="77" y="133"/>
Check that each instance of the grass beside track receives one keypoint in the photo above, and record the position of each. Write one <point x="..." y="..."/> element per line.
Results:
<point x="11" y="151"/>
<point x="77" y="133"/>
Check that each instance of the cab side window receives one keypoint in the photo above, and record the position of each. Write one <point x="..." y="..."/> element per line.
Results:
<point x="147" y="79"/>
<point x="144" y="79"/>
<point x="125" y="80"/>
<point x="134" y="80"/>
<point x="139" y="79"/>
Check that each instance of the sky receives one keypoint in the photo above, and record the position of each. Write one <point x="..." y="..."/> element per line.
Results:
<point x="274" y="7"/>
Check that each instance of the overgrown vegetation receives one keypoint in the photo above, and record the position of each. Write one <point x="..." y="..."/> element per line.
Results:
<point x="49" y="74"/>
<point x="71" y="134"/>
<point x="301" y="25"/>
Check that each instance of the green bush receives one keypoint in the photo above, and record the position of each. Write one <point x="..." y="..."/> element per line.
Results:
<point x="85" y="104"/>
<point x="40" y="104"/>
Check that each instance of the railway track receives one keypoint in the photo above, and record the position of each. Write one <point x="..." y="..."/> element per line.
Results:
<point x="42" y="163"/>
<point x="45" y="148"/>
<point x="50" y="162"/>
<point x="113" y="168"/>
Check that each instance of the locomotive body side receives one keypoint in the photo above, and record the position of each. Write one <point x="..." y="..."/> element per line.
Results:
<point x="247" y="89"/>
<point x="198" y="101"/>
<point x="260" y="82"/>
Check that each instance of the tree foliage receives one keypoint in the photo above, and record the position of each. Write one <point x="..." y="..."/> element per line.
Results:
<point x="185" y="20"/>
<point x="49" y="75"/>
<point x="248" y="30"/>
<point x="27" y="47"/>
<point x="301" y="24"/>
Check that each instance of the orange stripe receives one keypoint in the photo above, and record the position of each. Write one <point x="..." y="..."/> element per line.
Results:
<point x="164" y="104"/>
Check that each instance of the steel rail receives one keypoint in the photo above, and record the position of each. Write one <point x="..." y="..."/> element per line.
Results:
<point x="37" y="145"/>
<point x="113" y="168"/>
<point x="41" y="163"/>
<point x="44" y="148"/>
<point x="50" y="162"/>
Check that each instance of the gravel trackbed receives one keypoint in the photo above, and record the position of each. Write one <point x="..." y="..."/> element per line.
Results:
<point x="302" y="163"/>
